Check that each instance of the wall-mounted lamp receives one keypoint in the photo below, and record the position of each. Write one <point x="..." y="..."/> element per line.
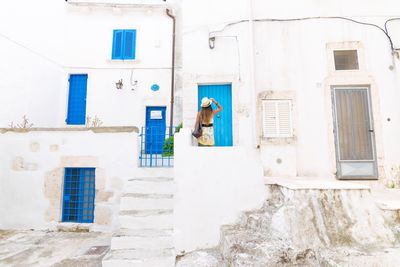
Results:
<point x="211" y="42"/>
<point x="119" y="84"/>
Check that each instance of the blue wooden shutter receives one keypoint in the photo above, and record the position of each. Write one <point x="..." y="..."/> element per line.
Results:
<point x="118" y="41"/>
<point x="129" y="44"/>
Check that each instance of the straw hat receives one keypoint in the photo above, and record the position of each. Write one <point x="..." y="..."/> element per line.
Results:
<point x="205" y="102"/>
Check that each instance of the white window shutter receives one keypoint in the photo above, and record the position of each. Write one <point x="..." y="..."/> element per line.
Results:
<point x="277" y="119"/>
<point x="270" y="128"/>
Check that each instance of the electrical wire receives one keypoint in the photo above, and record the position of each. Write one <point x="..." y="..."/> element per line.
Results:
<point x="384" y="30"/>
<point x="237" y="50"/>
<point x="386" y="23"/>
<point x="30" y="50"/>
<point x="77" y="67"/>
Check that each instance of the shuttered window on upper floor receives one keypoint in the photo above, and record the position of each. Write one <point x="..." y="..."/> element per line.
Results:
<point x="277" y="118"/>
<point x="124" y="44"/>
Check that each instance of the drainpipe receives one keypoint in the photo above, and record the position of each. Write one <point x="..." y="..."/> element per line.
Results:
<point x="252" y="77"/>
<point x="171" y="122"/>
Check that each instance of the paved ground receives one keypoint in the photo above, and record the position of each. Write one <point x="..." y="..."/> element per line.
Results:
<point x="56" y="249"/>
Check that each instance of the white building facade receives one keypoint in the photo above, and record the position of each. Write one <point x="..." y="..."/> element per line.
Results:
<point x="290" y="67"/>
<point x="74" y="74"/>
<point x="307" y="89"/>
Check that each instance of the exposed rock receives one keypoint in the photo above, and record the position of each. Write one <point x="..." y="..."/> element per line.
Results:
<point x="306" y="227"/>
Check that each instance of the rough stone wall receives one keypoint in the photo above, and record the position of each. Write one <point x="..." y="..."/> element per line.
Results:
<point x="324" y="218"/>
<point x="307" y="227"/>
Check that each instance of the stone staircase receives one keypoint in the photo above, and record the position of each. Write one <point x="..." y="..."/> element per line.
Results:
<point x="146" y="223"/>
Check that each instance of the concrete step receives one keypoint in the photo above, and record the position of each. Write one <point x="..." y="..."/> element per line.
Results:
<point x="154" y="172"/>
<point x="143" y="195"/>
<point x="140" y="242"/>
<point x="150" y="187"/>
<point x="139" y="258"/>
<point x="144" y="232"/>
<point x="139" y="254"/>
<point x="145" y="213"/>
<point x="153" y="262"/>
<point x="146" y="202"/>
<point x="164" y="221"/>
<point x="161" y="179"/>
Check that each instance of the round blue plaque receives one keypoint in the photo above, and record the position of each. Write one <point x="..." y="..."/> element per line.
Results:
<point x="155" y="87"/>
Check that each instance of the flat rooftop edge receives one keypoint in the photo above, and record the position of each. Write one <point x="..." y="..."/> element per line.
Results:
<point x="302" y="183"/>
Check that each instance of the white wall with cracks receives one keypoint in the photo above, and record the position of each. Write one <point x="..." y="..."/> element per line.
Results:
<point x="32" y="174"/>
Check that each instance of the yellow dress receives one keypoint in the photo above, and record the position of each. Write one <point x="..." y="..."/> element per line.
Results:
<point x="207" y="137"/>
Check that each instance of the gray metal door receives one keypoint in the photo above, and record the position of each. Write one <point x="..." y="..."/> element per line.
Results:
<point x="354" y="133"/>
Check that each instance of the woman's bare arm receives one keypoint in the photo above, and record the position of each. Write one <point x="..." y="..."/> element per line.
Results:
<point x="218" y="105"/>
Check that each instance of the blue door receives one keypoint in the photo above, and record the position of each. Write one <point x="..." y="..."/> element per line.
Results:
<point x="222" y="93"/>
<point x="76" y="114"/>
<point x="155" y="130"/>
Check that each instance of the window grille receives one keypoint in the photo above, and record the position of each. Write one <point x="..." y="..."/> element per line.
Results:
<point x="346" y="59"/>
<point x="78" y="195"/>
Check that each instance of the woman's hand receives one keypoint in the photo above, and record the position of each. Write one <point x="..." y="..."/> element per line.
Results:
<point x="213" y="100"/>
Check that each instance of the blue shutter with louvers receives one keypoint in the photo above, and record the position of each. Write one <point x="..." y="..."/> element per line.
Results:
<point x="118" y="41"/>
<point x="129" y="44"/>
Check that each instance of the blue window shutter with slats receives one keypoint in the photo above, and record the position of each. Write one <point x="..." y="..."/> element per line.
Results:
<point x="76" y="114"/>
<point x="118" y="44"/>
<point x="124" y="44"/>
<point x="129" y="44"/>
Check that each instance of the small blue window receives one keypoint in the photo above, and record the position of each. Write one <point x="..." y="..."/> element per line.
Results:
<point x="124" y="44"/>
<point x="78" y="195"/>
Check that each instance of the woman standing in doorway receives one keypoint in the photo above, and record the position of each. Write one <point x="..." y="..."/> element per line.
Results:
<point x="206" y="117"/>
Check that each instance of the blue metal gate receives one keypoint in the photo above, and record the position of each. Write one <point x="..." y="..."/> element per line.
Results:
<point x="156" y="144"/>
<point x="77" y="99"/>
<point x="155" y="129"/>
<point x="222" y="93"/>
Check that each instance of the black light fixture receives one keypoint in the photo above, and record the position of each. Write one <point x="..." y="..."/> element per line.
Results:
<point x="119" y="84"/>
<point x="211" y="42"/>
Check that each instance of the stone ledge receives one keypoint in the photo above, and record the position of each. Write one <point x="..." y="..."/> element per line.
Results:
<point x="299" y="183"/>
<point x="111" y="129"/>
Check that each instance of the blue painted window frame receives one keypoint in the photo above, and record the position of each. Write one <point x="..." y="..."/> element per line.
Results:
<point x="79" y="195"/>
<point x="124" y="44"/>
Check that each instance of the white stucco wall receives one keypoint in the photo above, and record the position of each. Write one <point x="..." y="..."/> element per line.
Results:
<point x="213" y="185"/>
<point x="40" y="49"/>
<point x="295" y="57"/>
<point x="32" y="173"/>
